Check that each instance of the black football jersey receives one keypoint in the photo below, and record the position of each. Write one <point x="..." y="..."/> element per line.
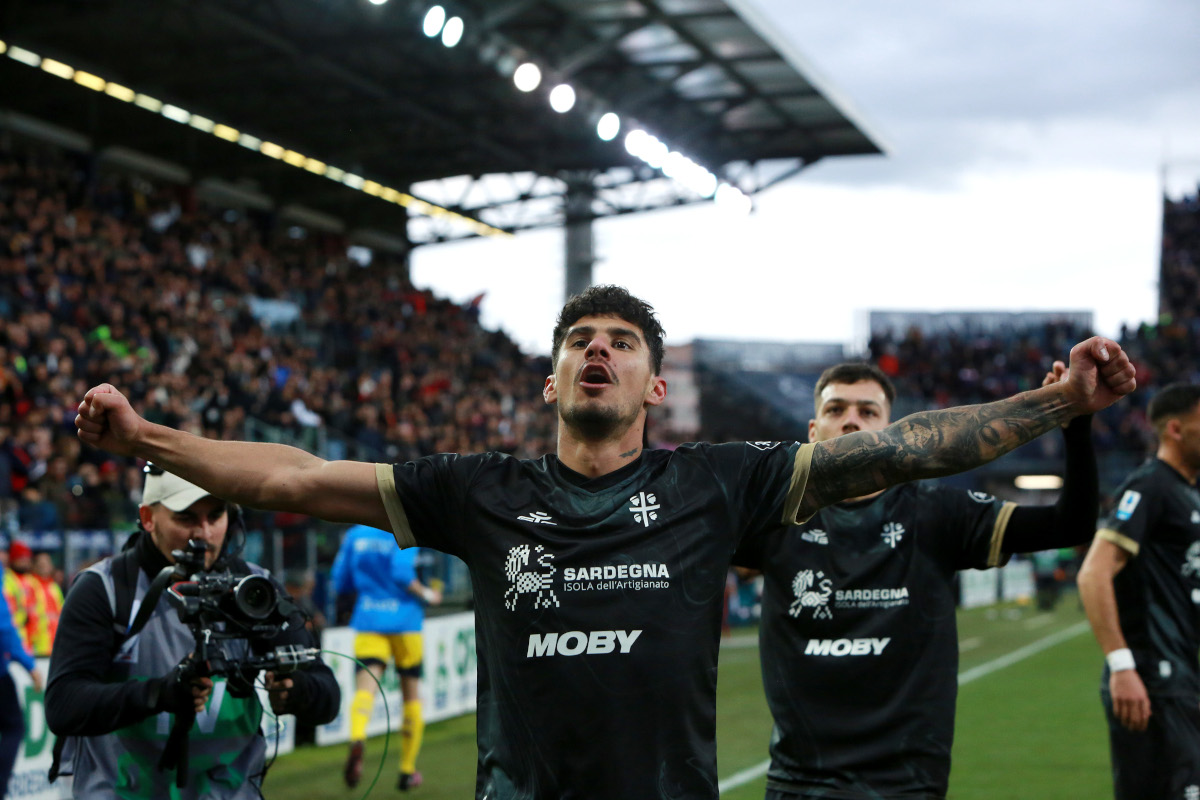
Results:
<point x="859" y="641"/>
<point x="1157" y="521"/>
<point x="597" y="605"/>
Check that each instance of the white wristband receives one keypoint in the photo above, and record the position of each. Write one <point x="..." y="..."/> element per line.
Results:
<point x="1120" y="660"/>
<point x="427" y="595"/>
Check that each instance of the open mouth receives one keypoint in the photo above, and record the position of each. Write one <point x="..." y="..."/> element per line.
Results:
<point x="594" y="375"/>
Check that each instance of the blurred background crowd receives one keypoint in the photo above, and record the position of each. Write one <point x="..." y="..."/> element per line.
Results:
<point x="232" y="324"/>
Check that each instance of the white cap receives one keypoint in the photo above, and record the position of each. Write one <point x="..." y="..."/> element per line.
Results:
<point x="171" y="490"/>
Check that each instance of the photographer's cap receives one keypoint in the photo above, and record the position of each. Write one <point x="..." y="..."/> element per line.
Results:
<point x="171" y="490"/>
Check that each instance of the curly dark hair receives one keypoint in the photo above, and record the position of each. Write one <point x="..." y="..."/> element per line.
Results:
<point x="853" y="372"/>
<point x="613" y="301"/>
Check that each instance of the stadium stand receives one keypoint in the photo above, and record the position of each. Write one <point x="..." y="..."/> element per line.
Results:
<point x="224" y="323"/>
<point x="231" y="323"/>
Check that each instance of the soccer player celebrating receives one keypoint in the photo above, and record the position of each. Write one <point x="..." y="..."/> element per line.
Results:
<point x="599" y="571"/>
<point x="1140" y="586"/>
<point x="858" y="640"/>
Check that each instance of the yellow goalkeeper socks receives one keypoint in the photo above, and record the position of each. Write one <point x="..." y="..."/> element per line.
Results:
<point x="411" y="734"/>
<point x="360" y="714"/>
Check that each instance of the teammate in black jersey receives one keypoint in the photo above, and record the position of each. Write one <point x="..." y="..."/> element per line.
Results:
<point x="858" y="640"/>
<point x="1140" y="585"/>
<point x="599" y="572"/>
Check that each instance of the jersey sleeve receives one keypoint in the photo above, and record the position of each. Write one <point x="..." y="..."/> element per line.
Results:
<point x="971" y="526"/>
<point x="1134" y="515"/>
<point x="765" y="482"/>
<point x="425" y="499"/>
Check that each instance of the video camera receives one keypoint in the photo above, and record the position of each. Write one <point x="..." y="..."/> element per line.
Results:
<point x="220" y="608"/>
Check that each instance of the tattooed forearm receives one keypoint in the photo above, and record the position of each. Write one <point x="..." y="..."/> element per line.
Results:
<point x="929" y="444"/>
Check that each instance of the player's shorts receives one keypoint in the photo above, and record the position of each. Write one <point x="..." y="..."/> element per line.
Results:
<point x="1162" y="762"/>
<point x="403" y="648"/>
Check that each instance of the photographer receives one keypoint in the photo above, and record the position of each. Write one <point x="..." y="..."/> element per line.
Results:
<point x="118" y="695"/>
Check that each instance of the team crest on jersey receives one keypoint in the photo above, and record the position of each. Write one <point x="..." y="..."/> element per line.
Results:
<point x="764" y="445"/>
<point x="535" y="578"/>
<point x="1129" y="502"/>
<point x="816" y="536"/>
<point x="644" y="508"/>
<point x="893" y="532"/>
<point x="981" y="497"/>
<point x="812" y="590"/>
<point x="1191" y="561"/>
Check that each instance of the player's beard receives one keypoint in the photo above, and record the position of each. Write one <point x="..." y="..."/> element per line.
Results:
<point x="595" y="423"/>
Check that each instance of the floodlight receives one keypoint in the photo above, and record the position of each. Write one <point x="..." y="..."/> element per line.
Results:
<point x="175" y="113"/>
<point x="120" y="92"/>
<point x="732" y="198"/>
<point x="452" y="32"/>
<point x="608" y="127"/>
<point x="58" y="69"/>
<point x="93" y="82"/>
<point x="527" y="77"/>
<point x="378" y="2"/>
<point x="27" y="57"/>
<point x="1036" y="482"/>
<point x="562" y="98"/>
<point x="435" y="18"/>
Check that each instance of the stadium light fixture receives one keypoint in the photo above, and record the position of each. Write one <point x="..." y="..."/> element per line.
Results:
<point x="89" y="81"/>
<point x="608" y="127"/>
<point x="562" y="98"/>
<point x="175" y="113"/>
<point x="1042" y="482"/>
<point x="27" y="57"/>
<point x="733" y="198"/>
<point x="451" y="35"/>
<point x="123" y="93"/>
<point x="58" y="69"/>
<point x="452" y="32"/>
<point x="435" y="19"/>
<point x="378" y="2"/>
<point x="152" y="104"/>
<point x="527" y="77"/>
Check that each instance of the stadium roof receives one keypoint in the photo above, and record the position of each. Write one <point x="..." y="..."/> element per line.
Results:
<point x="360" y="87"/>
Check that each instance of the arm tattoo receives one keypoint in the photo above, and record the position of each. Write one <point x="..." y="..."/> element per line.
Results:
<point x="927" y="445"/>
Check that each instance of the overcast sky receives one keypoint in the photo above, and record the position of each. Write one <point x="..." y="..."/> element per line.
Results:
<point x="1027" y="142"/>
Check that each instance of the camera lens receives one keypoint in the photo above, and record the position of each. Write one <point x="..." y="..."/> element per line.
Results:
<point x="255" y="597"/>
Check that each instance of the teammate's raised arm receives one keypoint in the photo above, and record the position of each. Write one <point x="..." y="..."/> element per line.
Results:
<point x="271" y="477"/>
<point x="930" y="444"/>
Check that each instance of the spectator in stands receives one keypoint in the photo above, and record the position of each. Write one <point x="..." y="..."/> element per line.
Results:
<point x="648" y="689"/>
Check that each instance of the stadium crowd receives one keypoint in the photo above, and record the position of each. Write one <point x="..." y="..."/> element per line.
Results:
<point x="212" y="317"/>
<point x="227" y="323"/>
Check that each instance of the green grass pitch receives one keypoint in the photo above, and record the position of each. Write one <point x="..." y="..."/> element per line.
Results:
<point x="1031" y="730"/>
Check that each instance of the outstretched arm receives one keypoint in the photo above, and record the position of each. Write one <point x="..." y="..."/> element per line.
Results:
<point x="272" y="477"/>
<point x="931" y="444"/>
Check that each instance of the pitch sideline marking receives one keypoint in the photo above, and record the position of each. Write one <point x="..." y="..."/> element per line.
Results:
<point x="975" y="673"/>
